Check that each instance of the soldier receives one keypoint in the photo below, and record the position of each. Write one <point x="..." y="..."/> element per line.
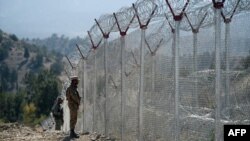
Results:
<point x="57" y="112"/>
<point x="73" y="103"/>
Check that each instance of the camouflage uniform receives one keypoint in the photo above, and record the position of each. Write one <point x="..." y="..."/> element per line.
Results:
<point x="73" y="103"/>
<point x="58" y="116"/>
<point x="57" y="112"/>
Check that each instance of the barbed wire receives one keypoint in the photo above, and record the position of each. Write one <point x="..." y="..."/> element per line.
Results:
<point x="198" y="14"/>
<point x="196" y="10"/>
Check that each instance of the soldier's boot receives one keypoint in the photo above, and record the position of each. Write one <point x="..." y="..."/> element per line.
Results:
<point x="76" y="135"/>
<point x="73" y="134"/>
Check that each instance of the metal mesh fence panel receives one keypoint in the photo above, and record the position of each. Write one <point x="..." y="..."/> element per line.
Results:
<point x="158" y="86"/>
<point x="131" y="90"/>
<point x="89" y="93"/>
<point x="100" y="93"/>
<point x="197" y="95"/>
<point x="114" y="89"/>
<point x="236" y="110"/>
<point x="195" y="74"/>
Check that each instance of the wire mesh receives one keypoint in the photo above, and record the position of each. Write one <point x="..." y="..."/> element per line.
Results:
<point x="100" y="93"/>
<point x="131" y="90"/>
<point x="209" y="70"/>
<point x="197" y="88"/>
<point x="113" y="99"/>
<point x="89" y="93"/>
<point x="237" y="110"/>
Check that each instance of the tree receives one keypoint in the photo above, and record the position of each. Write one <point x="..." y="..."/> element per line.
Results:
<point x="48" y="88"/>
<point x="3" y="53"/>
<point x="4" y="73"/>
<point x="56" y="68"/>
<point x="2" y="105"/>
<point x="19" y="101"/>
<point x="37" y="63"/>
<point x="42" y="90"/>
<point x="14" y="37"/>
<point x="10" y="106"/>
<point x="26" y="53"/>
<point x="13" y="78"/>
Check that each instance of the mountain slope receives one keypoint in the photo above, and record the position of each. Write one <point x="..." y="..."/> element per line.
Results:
<point x="18" y="58"/>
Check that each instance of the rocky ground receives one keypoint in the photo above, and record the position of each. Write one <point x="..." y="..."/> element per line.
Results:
<point x="17" y="132"/>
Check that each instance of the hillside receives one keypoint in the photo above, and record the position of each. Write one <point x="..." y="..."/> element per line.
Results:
<point x="61" y="44"/>
<point x="29" y="80"/>
<point x="19" y="58"/>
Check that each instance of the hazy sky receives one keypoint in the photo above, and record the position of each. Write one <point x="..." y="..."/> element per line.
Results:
<point x="41" y="18"/>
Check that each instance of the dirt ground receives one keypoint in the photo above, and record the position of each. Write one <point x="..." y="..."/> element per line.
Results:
<point x="17" y="132"/>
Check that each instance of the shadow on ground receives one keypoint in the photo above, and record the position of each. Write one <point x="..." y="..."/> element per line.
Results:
<point x="67" y="138"/>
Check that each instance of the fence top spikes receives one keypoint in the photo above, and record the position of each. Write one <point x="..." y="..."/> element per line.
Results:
<point x="92" y="42"/>
<point x="228" y="20"/>
<point x="69" y="62"/>
<point x="84" y="58"/>
<point x="195" y="30"/>
<point x="180" y="15"/>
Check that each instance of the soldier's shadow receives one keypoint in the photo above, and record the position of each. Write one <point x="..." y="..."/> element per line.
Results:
<point x="67" y="138"/>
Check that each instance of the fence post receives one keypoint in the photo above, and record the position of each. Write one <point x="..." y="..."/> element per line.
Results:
<point x="84" y="86"/>
<point x="227" y="21"/>
<point x="122" y="39"/>
<point x="152" y="76"/>
<point x="195" y="31"/>
<point x="105" y="36"/>
<point x="141" y="89"/>
<point x="123" y="45"/>
<point x="175" y="67"/>
<point x="176" y="44"/>
<point x="143" y="27"/>
<point x="94" y="47"/>
<point x="195" y="68"/>
<point x="177" y="37"/>
<point x="218" y="73"/>
<point x="218" y="129"/>
<point x="81" y="89"/>
<point x="106" y="84"/>
<point x="94" y="94"/>
<point x="227" y="44"/>
<point x="84" y="93"/>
